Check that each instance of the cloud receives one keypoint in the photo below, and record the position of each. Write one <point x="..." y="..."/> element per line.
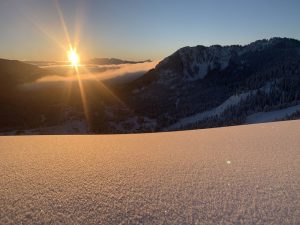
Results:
<point x="91" y="72"/>
<point x="115" y="73"/>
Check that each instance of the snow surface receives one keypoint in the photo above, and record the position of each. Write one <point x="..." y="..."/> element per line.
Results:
<point x="262" y="117"/>
<point x="235" y="175"/>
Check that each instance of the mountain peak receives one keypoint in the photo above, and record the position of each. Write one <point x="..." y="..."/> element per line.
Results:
<point x="113" y="61"/>
<point x="194" y="63"/>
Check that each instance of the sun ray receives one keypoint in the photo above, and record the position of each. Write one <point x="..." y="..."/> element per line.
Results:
<point x="79" y="20"/>
<point x="73" y="57"/>
<point x="104" y="87"/>
<point x="83" y="99"/>
<point x="62" y="21"/>
<point x="40" y="26"/>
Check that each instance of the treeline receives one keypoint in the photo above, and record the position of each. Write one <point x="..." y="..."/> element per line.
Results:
<point x="282" y="94"/>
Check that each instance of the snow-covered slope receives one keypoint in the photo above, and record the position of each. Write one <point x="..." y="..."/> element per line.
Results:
<point x="231" y="101"/>
<point x="238" y="175"/>
<point x="262" y="117"/>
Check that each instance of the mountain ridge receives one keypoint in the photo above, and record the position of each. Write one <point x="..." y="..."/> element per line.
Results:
<point x="113" y="61"/>
<point x="195" y="87"/>
<point x="198" y="79"/>
<point x="227" y="51"/>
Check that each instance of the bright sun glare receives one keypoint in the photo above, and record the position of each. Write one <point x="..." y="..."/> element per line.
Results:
<point x="73" y="57"/>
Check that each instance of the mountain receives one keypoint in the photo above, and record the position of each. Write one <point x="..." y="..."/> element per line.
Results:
<point x="13" y="72"/>
<point x="195" y="87"/>
<point x="199" y="87"/>
<point x="29" y="106"/>
<point x="113" y="61"/>
<point x="25" y="107"/>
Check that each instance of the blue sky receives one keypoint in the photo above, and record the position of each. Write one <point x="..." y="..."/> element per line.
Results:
<point x="138" y="29"/>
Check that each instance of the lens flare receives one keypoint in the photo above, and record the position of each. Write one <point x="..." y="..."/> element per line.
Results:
<point x="73" y="57"/>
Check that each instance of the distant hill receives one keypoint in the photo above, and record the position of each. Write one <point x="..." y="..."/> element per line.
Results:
<point x="47" y="63"/>
<point x="14" y="72"/>
<point x="113" y="61"/>
<point x="22" y="109"/>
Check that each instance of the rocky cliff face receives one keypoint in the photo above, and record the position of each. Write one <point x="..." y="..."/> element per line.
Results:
<point x="195" y="63"/>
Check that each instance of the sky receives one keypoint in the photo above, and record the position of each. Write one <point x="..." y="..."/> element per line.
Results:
<point x="137" y="29"/>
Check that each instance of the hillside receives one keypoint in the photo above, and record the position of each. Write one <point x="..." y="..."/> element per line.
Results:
<point x="13" y="72"/>
<point x="195" y="87"/>
<point x="200" y="87"/>
<point x="25" y="108"/>
<point x="237" y="175"/>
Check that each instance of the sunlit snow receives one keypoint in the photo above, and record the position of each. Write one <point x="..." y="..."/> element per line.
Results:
<point x="236" y="175"/>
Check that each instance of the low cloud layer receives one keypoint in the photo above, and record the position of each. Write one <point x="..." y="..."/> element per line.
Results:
<point x="98" y="72"/>
<point x="116" y="73"/>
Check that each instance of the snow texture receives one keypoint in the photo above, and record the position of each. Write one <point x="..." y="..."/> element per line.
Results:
<point x="235" y="175"/>
<point x="262" y="117"/>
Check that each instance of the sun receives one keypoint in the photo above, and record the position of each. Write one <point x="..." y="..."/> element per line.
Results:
<point x="73" y="57"/>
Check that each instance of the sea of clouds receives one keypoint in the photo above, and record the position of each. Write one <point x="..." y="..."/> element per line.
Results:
<point x="60" y="74"/>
